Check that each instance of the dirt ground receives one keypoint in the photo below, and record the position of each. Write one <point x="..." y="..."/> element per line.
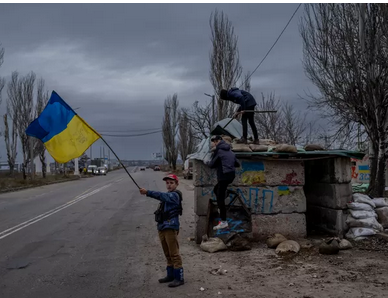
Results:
<point x="358" y="272"/>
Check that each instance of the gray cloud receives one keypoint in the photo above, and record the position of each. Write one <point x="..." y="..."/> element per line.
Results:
<point x="118" y="62"/>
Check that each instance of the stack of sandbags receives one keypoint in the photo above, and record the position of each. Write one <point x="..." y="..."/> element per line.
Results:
<point x="382" y="211"/>
<point x="258" y="148"/>
<point x="362" y="219"/>
<point x="267" y="142"/>
<point x="227" y="139"/>
<point x="240" y="147"/>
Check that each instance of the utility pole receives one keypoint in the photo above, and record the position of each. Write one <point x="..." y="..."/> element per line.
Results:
<point x="213" y="102"/>
<point x="32" y="157"/>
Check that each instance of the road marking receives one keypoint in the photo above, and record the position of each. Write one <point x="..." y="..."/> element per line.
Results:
<point x="27" y="223"/>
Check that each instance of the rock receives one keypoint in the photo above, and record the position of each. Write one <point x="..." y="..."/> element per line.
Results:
<point x="330" y="247"/>
<point x="274" y="241"/>
<point x="382" y="214"/>
<point x="213" y="245"/>
<point x="345" y="244"/>
<point x="288" y="246"/>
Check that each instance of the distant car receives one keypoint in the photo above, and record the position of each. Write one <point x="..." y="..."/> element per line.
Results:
<point x="142" y="168"/>
<point x="101" y="171"/>
<point x="188" y="174"/>
<point x="92" y="169"/>
<point x="156" y="168"/>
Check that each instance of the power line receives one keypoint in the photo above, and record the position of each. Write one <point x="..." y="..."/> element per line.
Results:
<point x="129" y="130"/>
<point x="277" y="39"/>
<point x="135" y="135"/>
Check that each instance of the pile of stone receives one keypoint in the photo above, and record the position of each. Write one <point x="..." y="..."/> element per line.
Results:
<point x="362" y="219"/>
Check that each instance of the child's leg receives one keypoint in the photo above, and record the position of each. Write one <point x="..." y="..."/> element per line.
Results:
<point x="171" y="237"/>
<point x="163" y="241"/>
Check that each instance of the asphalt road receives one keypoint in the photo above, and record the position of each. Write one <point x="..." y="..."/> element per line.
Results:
<point x="94" y="237"/>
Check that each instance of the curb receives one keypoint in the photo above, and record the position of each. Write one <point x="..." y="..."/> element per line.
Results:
<point x="34" y="186"/>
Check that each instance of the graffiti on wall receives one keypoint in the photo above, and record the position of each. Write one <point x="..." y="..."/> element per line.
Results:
<point x="360" y="170"/>
<point x="260" y="200"/>
<point x="252" y="173"/>
<point x="291" y="179"/>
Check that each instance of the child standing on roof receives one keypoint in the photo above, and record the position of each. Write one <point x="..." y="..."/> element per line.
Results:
<point x="167" y="217"/>
<point x="247" y="103"/>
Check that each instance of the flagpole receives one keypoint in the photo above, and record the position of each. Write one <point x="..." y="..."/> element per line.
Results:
<point x="120" y="162"/>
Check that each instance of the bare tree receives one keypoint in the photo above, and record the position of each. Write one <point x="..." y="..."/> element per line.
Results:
<point x="11" y="142"/>
<point x="186" y="139"/>
<point x="41" y="101"/>
<point x="2" y="80"/>
<point x="225" y="69"/>
<point x="20" y="103"/>
<point x="170" y="129"/>
<point x="294" y="124"/>
<point x="246" y="83"/>
<point x="200" y="119"/>
<point x="346" y="57"/>
<point x="270" y="125"/>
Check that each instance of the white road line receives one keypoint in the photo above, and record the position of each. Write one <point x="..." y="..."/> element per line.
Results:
<point x="27" y="223"/>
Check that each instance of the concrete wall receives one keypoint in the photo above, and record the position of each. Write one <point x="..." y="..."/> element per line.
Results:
<point x="272" y="189"/>
<point x="328" y="189"/>
<point x="255" y="172"/>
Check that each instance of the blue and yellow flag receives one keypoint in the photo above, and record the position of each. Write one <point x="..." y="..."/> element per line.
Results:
<point x="65" y="135"/>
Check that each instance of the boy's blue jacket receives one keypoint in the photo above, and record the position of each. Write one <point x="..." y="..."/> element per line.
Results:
<point x="172" y="203"/>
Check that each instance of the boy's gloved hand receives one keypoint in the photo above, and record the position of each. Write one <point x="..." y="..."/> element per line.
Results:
<point x="143" y="191"/>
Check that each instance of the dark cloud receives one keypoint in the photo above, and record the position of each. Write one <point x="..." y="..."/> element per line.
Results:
<point x="118" y="62"/>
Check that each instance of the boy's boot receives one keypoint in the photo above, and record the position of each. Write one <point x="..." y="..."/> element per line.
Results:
<point x="178" y="278"/>
<point x="170" y="275"/>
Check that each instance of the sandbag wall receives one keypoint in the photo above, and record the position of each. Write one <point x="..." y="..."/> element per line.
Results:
<point x="273" y="189"/>
<point x="328" y="189"/>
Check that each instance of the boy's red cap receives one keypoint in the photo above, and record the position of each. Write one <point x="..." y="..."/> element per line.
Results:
<point x="172" y="177"/>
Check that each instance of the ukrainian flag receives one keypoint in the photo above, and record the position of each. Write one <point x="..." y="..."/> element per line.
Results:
<point x="65" y="135"/>
<point x="363" y="169"/>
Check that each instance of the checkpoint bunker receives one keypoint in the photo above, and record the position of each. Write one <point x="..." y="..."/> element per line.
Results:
<point x="286" y="193"/>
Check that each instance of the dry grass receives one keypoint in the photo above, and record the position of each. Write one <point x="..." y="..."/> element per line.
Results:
<point x="7" y="183"/>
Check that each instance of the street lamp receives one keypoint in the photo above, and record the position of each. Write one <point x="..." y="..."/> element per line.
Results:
<point x="212" y="96"/>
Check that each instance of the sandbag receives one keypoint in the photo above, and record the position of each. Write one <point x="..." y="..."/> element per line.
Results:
<point x="359" y="233"/>
<point x="227" y="139"/>
<point x="314" y="147"/>
<point x="274" y="241"/>
<point x="370" y="223"/>
<point x="360" y="214"/>
<point x="285" y="148"/>
<point x="382" y="214"/>
<point x="288" y="246"/>
<point x="361" y="198"/>
<point x="360" y="206"/>
<point x="345" y="244"/>
<point x="258" y="148"/>
<point x="266" y="142"/>
<point x="380" y="202"/>
<point x="241" y="147"/>
<point x="213" y="245"/>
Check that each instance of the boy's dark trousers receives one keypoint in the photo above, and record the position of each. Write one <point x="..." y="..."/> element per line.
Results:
<point x="249" y="117"/>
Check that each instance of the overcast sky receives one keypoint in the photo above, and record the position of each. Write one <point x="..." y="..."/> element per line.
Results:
<point x="118" y="62"/>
